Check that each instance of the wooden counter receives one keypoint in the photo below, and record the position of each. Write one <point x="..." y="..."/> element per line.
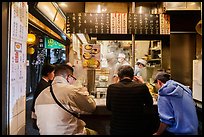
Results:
<point x="99" y="120"/>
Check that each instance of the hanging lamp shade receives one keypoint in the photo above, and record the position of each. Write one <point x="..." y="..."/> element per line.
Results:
<point x="31" y="39"/>
<point x="30" y="50"/>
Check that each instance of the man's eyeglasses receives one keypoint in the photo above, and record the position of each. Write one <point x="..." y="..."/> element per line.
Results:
<point x="71" y="79"/>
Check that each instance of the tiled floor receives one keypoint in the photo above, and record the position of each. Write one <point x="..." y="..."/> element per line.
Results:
<point x="29" y="128"/>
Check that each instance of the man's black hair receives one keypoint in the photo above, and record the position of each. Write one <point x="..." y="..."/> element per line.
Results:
<point x="46" y="69"/>
<point x="125" y="71"/>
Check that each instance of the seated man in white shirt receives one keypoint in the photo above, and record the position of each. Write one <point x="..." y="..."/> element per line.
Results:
<point x="51" y="118"/>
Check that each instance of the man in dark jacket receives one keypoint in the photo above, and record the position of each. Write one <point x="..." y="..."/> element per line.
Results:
<point x="128" y="100"/>
<point x="47" y="77"/>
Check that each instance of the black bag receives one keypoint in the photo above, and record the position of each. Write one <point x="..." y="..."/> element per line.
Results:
<point x="34" y="123"/>
<point x="76" y="114"/>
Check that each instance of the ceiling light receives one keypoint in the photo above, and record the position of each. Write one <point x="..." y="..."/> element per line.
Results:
<point x="99" y="9"/>
<point x="140" y="10"/>
<point x="63" y="4"/>
<point x="192" y="3"/>
<point x="103" y="10"/>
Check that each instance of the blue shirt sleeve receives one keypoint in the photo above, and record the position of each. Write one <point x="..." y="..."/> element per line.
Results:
<point x="165" y="110"/>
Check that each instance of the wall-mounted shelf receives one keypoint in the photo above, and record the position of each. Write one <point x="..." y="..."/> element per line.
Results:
<point x="154" y="60"/>
<point x="155" y="53"/>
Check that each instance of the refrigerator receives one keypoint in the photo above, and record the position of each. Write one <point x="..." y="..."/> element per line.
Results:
<point x="197" y="80"/>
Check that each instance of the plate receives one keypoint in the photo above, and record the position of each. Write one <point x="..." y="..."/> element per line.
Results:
<point x="87" y="55"/>
<point x="88" y="47"/>
<point x="95" y="51"/>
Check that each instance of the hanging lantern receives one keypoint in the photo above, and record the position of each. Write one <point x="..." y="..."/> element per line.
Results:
<point x="31" y="39"/>
<point x="30" y="50"/>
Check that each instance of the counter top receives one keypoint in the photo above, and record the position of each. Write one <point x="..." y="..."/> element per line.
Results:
<point x="99" y="120"/>
<point x="102" y="101"/>
<point x="101" y="107"/>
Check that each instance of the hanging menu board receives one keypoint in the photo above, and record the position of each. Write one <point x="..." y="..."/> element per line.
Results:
<point x="164" y="24"/>
<point x="143" y="23"/>
<point x="92" y="23"/>
<point x="117" y="23"/>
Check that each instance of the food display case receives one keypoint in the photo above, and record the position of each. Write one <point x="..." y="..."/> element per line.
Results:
<point x="101" y="83"/>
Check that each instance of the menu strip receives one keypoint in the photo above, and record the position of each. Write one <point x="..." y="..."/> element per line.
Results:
<point x="118" y="23"/>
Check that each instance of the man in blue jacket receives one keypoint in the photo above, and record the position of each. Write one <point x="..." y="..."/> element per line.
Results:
<point x="176" y="107"/>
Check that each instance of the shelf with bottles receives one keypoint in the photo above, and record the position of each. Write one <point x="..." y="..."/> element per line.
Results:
<point x="158" y="59"/>
<point x="154" y="57"/>
<point x="154" y="63"/>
